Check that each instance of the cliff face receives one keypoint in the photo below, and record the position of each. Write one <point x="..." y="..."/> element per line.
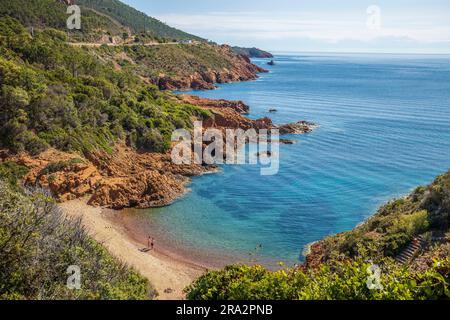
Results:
<point x="227" y="114"/>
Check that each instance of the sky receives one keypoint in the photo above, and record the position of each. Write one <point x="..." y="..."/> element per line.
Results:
<point x="391" y="26"/>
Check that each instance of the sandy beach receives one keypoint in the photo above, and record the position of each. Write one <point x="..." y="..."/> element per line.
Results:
<point x="169" y="276"/>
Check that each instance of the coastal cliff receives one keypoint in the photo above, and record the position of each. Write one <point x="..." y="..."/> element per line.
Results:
<point x="408" y="229"/>
<point x="126" y="177"/>
<point x="240" y="69"/>
<point x="230" y="114"/>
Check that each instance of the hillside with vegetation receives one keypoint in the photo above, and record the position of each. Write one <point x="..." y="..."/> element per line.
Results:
<point x="56" y="95"/>
<point x="64" y="108"/>
<point x="137" y="21"/>
<point x="75" y="114"/>
<point x="40" y="14"/>
<point x="424" y="213"/>
<point x="181" y="66"/>
<point x="159" y="54"/>
<point x="339" y="267"/>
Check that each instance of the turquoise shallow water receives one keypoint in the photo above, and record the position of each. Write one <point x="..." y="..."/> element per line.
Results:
<point x="384" y="129"/>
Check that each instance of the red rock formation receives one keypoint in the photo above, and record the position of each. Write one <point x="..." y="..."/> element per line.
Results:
<point x="228" y="114"/>
<point x="125" y="179"/>
<point x="315" y="258"/>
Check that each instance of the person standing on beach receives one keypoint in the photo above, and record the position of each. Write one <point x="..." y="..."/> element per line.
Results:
<point x="152" y="243"/>
<point x="149" y="242"/>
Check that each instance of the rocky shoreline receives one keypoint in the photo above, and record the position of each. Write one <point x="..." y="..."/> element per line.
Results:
<point x="129" y="178"/>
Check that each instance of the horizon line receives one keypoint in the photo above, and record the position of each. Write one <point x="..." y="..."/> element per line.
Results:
<point x="358" y="52"/>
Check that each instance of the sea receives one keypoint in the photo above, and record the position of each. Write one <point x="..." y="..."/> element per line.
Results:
<point x="383" y="129"/>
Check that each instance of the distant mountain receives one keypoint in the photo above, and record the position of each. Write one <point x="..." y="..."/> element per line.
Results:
<point x="252" y="52"/>
<point x="136" y="20"/>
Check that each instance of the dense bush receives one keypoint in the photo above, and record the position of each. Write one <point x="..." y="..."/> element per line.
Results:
<point x="37" y="245"/>
<point x="336" y="281"/>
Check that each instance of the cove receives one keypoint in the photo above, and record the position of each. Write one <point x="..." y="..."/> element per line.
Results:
<point x="384" y="129"/>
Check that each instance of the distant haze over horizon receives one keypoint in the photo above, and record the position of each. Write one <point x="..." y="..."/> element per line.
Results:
<point x="406" y="26"/>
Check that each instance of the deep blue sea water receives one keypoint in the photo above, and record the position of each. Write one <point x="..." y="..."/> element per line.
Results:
<point x="384" y="129"/>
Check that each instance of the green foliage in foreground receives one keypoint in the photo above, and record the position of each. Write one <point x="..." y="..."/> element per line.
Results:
<point x="53" y="94"/>
<point x="37" y="245"/>
<point x="337" y="281"/>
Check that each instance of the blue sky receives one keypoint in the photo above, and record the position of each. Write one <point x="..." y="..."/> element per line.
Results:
<point x="413" y="26"/>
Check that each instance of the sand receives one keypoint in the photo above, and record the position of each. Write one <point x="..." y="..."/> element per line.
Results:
<point x="168" y="275"/>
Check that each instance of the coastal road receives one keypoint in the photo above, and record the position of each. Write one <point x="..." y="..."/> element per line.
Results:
<point x="97" y="45"/>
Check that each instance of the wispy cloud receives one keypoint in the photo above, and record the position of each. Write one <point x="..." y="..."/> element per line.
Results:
<point x="422" y="28"/>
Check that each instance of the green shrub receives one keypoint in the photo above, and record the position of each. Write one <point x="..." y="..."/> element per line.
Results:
<point x="37" y="245"/>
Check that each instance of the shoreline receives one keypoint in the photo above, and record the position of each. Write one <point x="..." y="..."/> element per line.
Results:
<point x="168" y="275"/>
<point x="137" y="226"/>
